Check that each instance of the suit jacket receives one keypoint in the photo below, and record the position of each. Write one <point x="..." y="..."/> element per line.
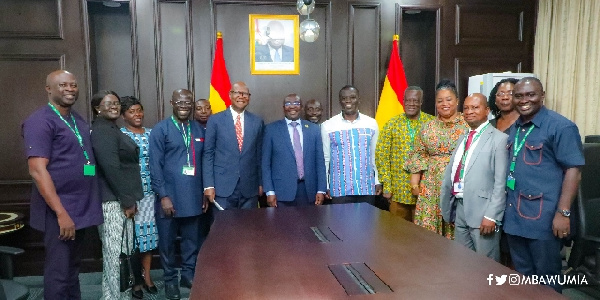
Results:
<point x="279" y="161"/>
<point x="263" y="54"/>
<point x="117" y="158"/>
<point x="484" y="180"/>
<point x="223" y="163"/>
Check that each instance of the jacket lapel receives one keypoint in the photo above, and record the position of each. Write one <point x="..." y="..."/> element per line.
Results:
<point x="286" y="134"/>
<point x="485" y="136"/>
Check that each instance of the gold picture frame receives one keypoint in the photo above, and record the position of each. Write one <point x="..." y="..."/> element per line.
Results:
<point x="274" y="44"/>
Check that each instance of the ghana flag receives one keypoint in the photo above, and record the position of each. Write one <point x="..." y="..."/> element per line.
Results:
<point x="219" y="80"/>
<point x="391" y="101"/>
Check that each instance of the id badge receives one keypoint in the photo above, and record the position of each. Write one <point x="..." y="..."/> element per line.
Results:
<point x="458" y="187"/>
<point x="89" y="170"/>
<point x="188" y="170"/>
<point x="510" y="182"/>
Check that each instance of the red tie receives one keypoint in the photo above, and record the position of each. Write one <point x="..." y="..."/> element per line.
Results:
<point x="238" y="132"/>
<point x="469" y="140"/>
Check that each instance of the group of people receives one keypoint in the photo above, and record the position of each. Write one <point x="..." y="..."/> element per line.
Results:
<point x="149" y="187"/>
<point x="480" y="181"/>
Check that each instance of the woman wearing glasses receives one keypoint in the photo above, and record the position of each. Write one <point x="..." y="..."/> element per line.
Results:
<point x="501" y="104"/>
<point x="145" y="223"/>
<point x="118" y="167"/>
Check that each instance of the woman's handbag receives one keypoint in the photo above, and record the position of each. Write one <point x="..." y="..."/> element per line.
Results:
<point x="130" y="266"/>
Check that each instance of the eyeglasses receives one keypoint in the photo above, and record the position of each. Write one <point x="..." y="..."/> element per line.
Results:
<point x="243" y="94"/>
<point x="502" y="94"/>
<point x="295" y="103"/>
<point x="113" y="103"/>
<point x="183" y="103"/>
<point x="529" y="95"/>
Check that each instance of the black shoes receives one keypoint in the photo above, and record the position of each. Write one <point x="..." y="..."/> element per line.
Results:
<point x="151" y="289"/>
<point x="186" y="283"/>
<point x="172" y="292"/>
<point x="137" y="294"/>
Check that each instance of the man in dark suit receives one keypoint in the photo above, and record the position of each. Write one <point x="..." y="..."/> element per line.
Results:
<point x="274" y="50"/>
<point x="293" y="144"/>
<point x="231" y="160"/>
<point x="474" y="182"/>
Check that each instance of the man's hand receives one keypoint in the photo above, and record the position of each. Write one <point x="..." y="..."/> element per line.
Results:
<point x="388" y="196"/>
<point x="378" y="189"/>
<point x="67" y="227"/>
<point x="327" y="196"/>
<point x="167" y="206"/>
<point x="210" y="194"/>
<point x="130" y="211"/>
<point x="272" y="200"/>
<point x="487" y="227"/>
<point x="319" y="198"/>
<point x="561" y="226"/>
<point x="205" y="204"/>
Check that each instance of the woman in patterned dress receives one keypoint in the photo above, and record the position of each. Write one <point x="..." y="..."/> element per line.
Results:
<point x="145" y="224"/>
<point x="431" y="154"/>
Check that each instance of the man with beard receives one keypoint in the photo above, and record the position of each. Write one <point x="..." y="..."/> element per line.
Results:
<point x="349" y="141"/>
<point x="472" y="194"/>
<point x="65" y="198"/>
<point x="176" y="145"/>
<point x="292" y="144"/>
<point x="543" y="176"/>
<point x="394" y="144"/>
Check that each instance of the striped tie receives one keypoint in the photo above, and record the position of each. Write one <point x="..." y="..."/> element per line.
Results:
<point x="238" y="131"/>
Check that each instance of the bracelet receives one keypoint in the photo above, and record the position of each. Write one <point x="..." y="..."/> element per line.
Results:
<point x="415" y="186"/>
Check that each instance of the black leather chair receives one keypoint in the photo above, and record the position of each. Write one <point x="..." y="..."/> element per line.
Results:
<point x="585" y="254"/>
<point x="592" y="139"/>
<point x="9" y="289"/>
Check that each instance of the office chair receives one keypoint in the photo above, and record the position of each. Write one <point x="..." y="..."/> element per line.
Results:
<point x="592" y="139"/>
<point x="586" y="250"/>
<point x="9" y="289"/>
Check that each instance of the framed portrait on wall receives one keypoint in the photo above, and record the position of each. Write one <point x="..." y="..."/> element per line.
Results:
<point x="274" y="45"/>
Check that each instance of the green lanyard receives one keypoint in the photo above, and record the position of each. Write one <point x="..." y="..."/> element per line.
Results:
<point x="411" y="131"/>
<point x="187" y="136"/>
<point x="517" y="147"/>
<point x="466" y="151"/>
<point x="74" y="129"/>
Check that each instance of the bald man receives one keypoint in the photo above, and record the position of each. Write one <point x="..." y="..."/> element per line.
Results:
<point x="232" y="154"/>
<point x="65" y="198"/>
<point x="274" y="50"/>
<point x="176" y="146"/>
<point x="472" y="195"/>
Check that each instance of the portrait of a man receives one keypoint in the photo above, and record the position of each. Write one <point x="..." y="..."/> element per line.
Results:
<point x="274" y="47"/>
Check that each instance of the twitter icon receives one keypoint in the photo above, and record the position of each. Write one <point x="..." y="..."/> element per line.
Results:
<point x="500" y="280"/>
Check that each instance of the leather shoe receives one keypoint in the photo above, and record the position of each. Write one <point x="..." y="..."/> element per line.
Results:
<point x="137" y="294"/>
<point x="151" y="289"/>
<point x="186" y="283"/>
<point x="172" y="292"/>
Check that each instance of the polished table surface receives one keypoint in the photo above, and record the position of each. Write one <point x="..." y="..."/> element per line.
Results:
<point x="272" y="253"/>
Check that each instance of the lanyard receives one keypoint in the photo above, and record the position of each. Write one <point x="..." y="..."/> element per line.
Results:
<point x="466" y="151"/>
<point x="74" y="129"/>
<point x="187" y="136"/>
<point x="411" y="131"/>
<point x="517" y="147"/>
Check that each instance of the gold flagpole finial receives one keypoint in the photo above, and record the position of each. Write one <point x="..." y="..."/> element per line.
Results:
<point x="219" y="35"/>
<point x="396" y="37"/>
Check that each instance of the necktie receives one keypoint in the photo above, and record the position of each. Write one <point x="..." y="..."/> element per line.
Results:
<point x="277" y="57"/>
<point x="460" y="165"/>
<point x="238" y="131"/>
<point x="298" y="151"/>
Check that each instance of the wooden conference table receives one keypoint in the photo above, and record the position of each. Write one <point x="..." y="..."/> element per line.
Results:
<point x="293" y="253"/>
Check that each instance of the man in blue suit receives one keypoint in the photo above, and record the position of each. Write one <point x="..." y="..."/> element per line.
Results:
<point x="231" y="159"/>
<point x="293" y="144"/>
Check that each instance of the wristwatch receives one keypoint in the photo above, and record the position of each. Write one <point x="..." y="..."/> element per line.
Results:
<point x="565" y="212"/>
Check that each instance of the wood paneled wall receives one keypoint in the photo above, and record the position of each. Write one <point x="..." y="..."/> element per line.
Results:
<point x="171" y="44"/>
